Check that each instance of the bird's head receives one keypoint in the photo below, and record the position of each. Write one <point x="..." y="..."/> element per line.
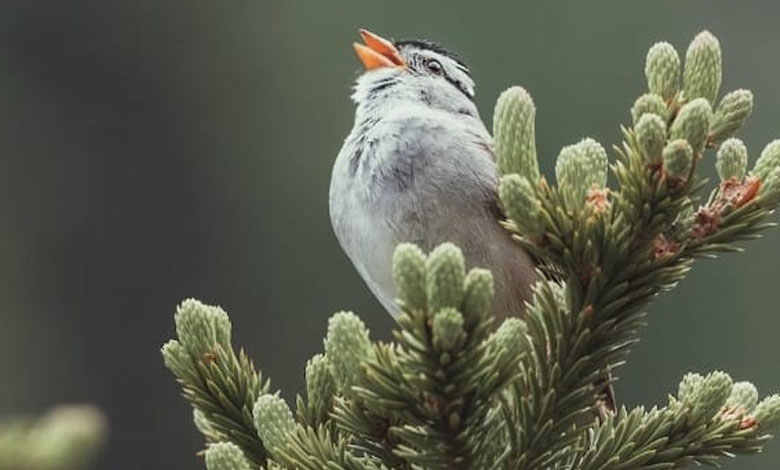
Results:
<point x="419" y="71"/>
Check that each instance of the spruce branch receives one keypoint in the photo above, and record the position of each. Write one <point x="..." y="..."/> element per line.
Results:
<point x="348" y="349"/>
<point x="457" y="391"/>
<point x="708" y="419"/>
<point x="316" y="449"/>
<point x="221" y="385"/>
<point x="443" y="378"/>
<point x="618" y="249"/>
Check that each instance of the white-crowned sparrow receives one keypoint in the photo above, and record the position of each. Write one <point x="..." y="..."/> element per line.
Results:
<point x="419" y="167"/>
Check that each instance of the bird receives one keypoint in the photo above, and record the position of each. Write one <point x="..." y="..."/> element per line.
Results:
<point x="419" y="167"/>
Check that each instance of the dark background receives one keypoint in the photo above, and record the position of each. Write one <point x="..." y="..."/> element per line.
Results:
<point x="157" y="150"/>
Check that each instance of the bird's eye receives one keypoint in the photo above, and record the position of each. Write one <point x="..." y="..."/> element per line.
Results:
<point x="433" y="66"/>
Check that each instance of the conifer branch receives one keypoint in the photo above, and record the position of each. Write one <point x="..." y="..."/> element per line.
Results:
<point x="443" y="378"/>
<point x="221" y="385"/>
<point x="455" y="391"/>
<point x="709" y="419"/>
<point x="619" y="249"/>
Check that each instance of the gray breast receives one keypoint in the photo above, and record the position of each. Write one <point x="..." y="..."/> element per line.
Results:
<point x="424" y="178"/>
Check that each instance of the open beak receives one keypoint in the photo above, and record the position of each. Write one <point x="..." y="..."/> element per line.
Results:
<point x="377" y="52"/>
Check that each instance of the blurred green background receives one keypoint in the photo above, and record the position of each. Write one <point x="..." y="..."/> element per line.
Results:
<point x="157" y="150"/>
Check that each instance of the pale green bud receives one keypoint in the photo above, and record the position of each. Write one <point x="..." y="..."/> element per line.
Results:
<point x="662" y="70"/>
<point x="770" y="189"/>
<point x="732" y="112"/>
<point x="176" y="357"/>
<point x="768" y="160"/>
<point x="273" y="420"/>
<point x="513" y="134"/>
<point x="521" y="204"/>
<point x="409" y="275"/>
<point x="200" y="327"/>
<point x="731" y="160"/>
<point x="743" y="395"/>
<point x="714" y="391"/>
<point x="692" y="124"/>
<point x="767" y="413"/>
<point x="226" y="456"/>
<point x="703" y="69"/>
<point x="347" y="347"/>
<point x="445" y="273"/>
<point x="69" y="436"/>
<point x="678" y="160"/>
<point x="596" y="160"/>
<point x="689" y="387"/>
<point x="320" y="383"/>
<point x="479" y="294"/>
<point x="569" y="166"/>
<point x="651" y="136"/>
<point x="447" y="330"/>
<point x="509" y="340"/>
<point x="579" y="168"/>
<point x="649" y="103"/>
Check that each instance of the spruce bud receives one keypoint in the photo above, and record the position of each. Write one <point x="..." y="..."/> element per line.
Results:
<point x="225" y="456"/>
<point x="479" y="294"/>
<point x="767" y="413"/>
<point x="692" y="124"/>
<point x="689" y="388"/>
<point x="703" y="69"/>
<point x="678" y="160"/>
<point x="662" y="70"/>
<point x="715" y="389"/>
<point x="445" y="273"/>
<point x="513" y="134"/>
<point x="732" y="112"/>
<point x="347" y="347"/>
<point x="447" y="330"/>
<point x="579" y="168"/>
<point x="743" y="395"/>
<point x="521" y="204"/>
<point x="768" y="160"/>
<point x="320" y="384"/>
<point x="66" y="437"/>
<point x="176" y="357"/>
<point x="731" y="161"/>
<point x="409" y="275"/>
<point x="651" y="136"/>
<point x="770" y="189"/>
<point x="201" y="327"/>
<point x="649" y="103"/>
<point x="273" y="420"/>
<point x="510" y="340"/>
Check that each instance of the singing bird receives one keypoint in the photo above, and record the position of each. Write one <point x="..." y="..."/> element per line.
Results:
<point x="419" y="167"/>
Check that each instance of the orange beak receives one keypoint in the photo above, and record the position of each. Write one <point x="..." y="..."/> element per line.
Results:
<point x="377" y="52"/>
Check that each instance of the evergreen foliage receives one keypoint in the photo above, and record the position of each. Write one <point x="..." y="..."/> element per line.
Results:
<point x="65" y="438"/>
<point x="459" y="390"/>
